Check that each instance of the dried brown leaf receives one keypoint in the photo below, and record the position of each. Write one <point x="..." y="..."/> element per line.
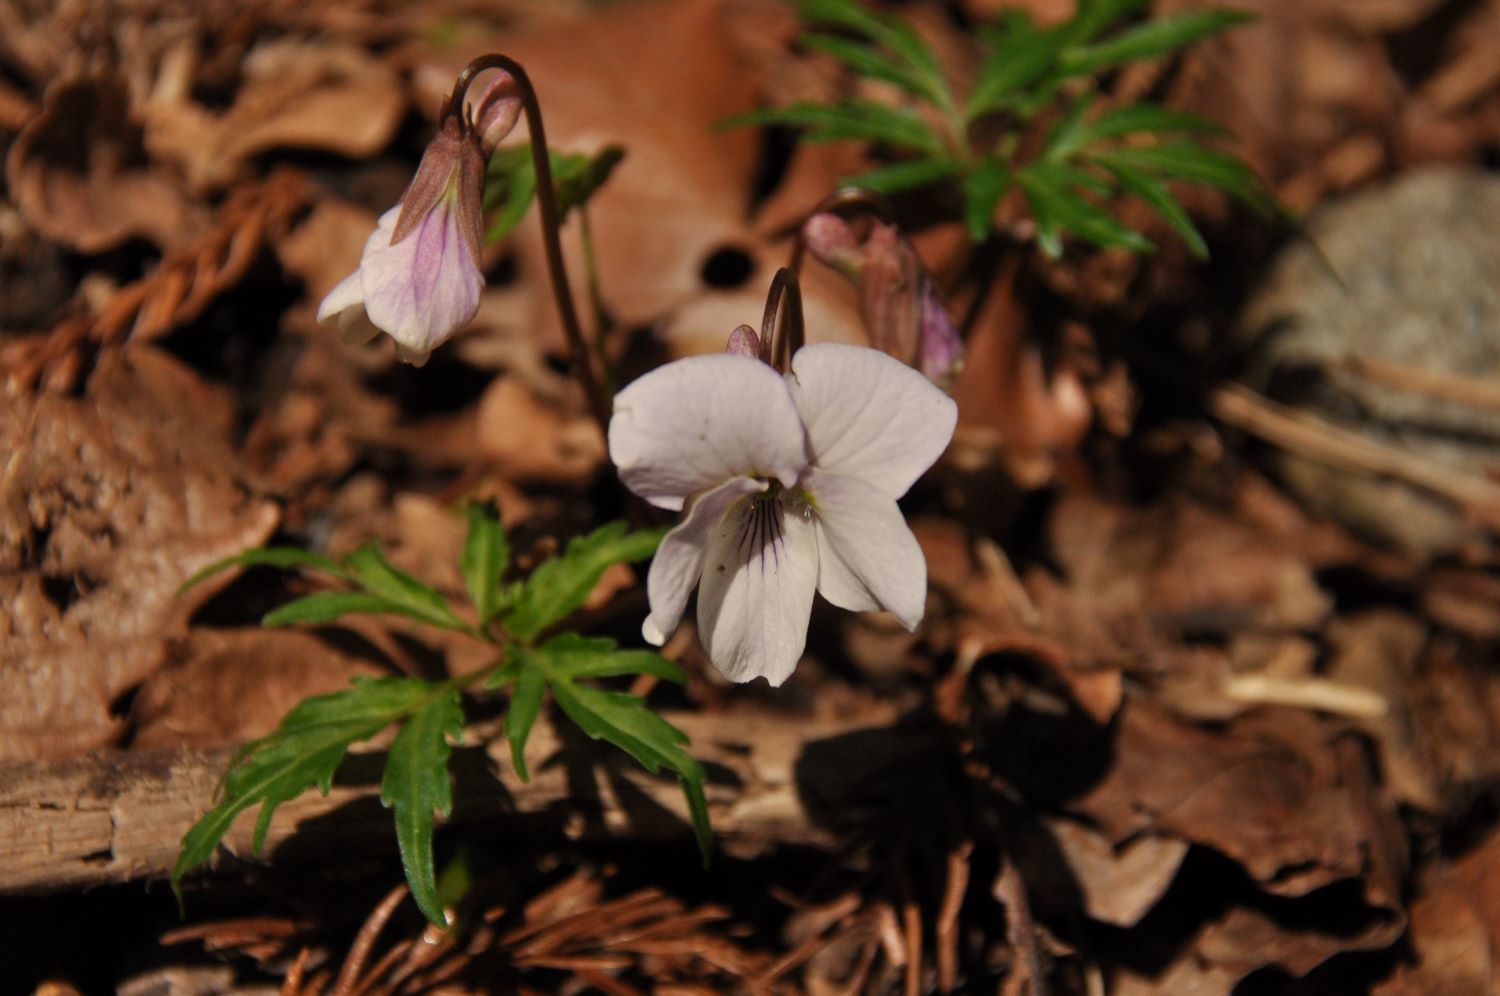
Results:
<point x="107" y="504"/>
<point x="79" y="173"/>
<point x="294" y="95"/>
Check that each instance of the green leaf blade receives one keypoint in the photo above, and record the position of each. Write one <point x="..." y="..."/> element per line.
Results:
<point x="572" y="656"/>
<point x="559" y="586"/>
<point x="284" y="557"/>
<point x="404" y="594"/>
<point x="304" y="751"/>
<point x="1020" y="56"/>
<point x="521" y="716"/>
<point x="323" y="607"/>
<point x="485" y="557"/>
<point x="905" y="176"/>
<point x="1058" y="209"/>
<point x="625" y="721"/>
<point x="417" y="786"/>
<point x="1151" y="39"/>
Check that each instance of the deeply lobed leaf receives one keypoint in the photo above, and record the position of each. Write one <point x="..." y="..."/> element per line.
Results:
<point x="485" y="557"/>
<point x="416" y="786"/>
<point x="305" y="750"/>
<point x="559" y="586"/>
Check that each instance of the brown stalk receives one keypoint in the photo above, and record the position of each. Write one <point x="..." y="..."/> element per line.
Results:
<point x="784" y="287"/>
<point x="546" y="198"/>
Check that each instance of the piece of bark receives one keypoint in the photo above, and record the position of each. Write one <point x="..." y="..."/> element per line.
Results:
<point x="117" y="816"/>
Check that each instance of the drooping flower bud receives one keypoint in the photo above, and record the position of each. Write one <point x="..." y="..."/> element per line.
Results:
<point x="897" y="298"/>
<point x="497" y="110"/>
<point x="418" y="279"/>
<point x="743" y="342"/>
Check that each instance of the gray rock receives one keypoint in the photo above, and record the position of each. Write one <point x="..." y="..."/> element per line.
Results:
<point x="1419" y="261"/>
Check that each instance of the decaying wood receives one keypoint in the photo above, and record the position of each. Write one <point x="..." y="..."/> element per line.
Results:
<point x="117" y="816"/>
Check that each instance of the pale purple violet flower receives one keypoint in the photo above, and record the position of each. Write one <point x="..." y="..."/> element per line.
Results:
<point x="418" y="278"/>
<point x="790" y="485"/>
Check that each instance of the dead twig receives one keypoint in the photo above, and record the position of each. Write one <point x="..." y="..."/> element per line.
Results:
<point x="1311" y="437"/>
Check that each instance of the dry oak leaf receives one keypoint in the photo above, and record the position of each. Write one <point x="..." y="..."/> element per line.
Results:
<point x="295" y="95"/>
<point x="1455" y="930"/>
<point x="1266" y="790"/>
<point x="108" y="503"/>
<point x="79" y="173"/>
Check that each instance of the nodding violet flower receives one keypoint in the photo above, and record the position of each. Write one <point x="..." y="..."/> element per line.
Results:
<point x="418" y="278"/>
<point x="897" y="299"/>
<point x="790" y="485"/>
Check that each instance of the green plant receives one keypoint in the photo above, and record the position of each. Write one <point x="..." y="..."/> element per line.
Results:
<point x="518" y="620"/>
<point x="1032" y="120"/>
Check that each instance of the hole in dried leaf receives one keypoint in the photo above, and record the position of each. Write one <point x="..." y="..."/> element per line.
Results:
<point x="727" y="267"/>
<point x="60" y="591"/>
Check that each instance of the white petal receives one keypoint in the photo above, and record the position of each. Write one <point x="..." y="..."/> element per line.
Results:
<point x="426" y="287"/>
<point x="870" y="416"/>
<point x="867" y="556"/>
<point x="759" y="574"/>
<point x="679" y="560"/>
<point x="347" y="295"/>
<point x="695" y="423"/>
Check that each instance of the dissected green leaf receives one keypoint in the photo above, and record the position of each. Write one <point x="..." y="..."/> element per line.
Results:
<point x="892" y="33"/>
<point x="305" y="750"/>
<point x="1133" y="119"/>
<point x="416" y="785"/>
<point x="559" y="586"/>
<point x="324" y="606"/>
<point x="983" y="189"/>
<point x="850" y="119"/>
<point x="1020" y="55"/>
<point x="574" y="656"/>
<point x="1186" y="161"/>
<point x="576" y="176"/>
<point x="510" y="182"/>
<point x="525" y="706"/>
<point x="904" y="176"/>
<point x="271" y="556"/>
<point x="868" y="61"/>
<point x="403" y="594"/>
<point x="1094" y="16"/>
<point x="625" y="721"/>
<point x="1058" y="208"/>
<point x="1155" y="37"/>
<point x="1155" y="193"/>
<point x="485" y="557"/>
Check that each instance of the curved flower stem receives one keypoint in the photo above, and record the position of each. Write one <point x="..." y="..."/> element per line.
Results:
<point x="844" y="201"/>
<point x="784" y="286"/>
<point x="546" y="198"/>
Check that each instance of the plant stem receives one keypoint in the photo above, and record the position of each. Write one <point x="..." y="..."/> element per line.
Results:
<point x="546" y="197"/>
<point x="784" y="286"/>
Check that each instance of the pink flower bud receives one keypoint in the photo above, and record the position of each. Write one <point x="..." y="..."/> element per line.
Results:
<point x="497" y="110"/>
<point x="744" y="342"/>
<point x="419" y="279"/>
<point x="897" y="298"/>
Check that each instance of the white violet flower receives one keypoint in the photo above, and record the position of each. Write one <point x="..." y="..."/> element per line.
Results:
<point x="790" y="485"/>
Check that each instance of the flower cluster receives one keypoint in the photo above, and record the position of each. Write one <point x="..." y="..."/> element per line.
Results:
<point x="789" y="483"/>
<point x="419" y="279"/>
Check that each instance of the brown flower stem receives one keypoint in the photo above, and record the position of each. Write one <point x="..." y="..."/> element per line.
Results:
<point x="844" y="201"/>
<point x="784" y="287"/>
<point x="546" y="198"/>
